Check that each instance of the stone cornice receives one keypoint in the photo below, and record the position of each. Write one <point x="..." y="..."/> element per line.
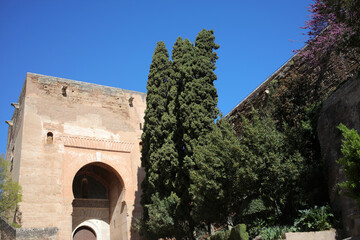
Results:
<point x="97" y="144"/>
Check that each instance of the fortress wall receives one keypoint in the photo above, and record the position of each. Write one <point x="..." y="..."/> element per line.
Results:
<point x="88" y="123"/>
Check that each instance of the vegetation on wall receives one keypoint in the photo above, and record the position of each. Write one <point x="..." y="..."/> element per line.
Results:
<point x="350" y="162"/>
<point x="333" y="26"/>
<point x="10" y="191"/>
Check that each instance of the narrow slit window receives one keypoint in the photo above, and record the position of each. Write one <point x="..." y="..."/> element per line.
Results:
<point x="63" y="90"/>
<point x="131" y="100"/>
<point x="12" y="160"/>
<point x="49" y="138"/>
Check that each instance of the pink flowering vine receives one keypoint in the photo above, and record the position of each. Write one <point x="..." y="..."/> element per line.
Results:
<point x="325" y="32"/>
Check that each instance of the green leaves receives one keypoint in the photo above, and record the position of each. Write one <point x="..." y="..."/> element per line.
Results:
<point x="162" y="212"/>
<point x="214" y="178"/>
<point x="10" y="191"/>
<point x="315" y="219"/>
<point x="350" y="161"/>
<point x="269" y="169"/>
<point x="181" y="108"/>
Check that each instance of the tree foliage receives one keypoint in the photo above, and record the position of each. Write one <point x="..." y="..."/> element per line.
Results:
<point x="155" y="186"/>
<point x="232" y="174"/>
<point x="269" y="168"/>
<point x="181" y="108"/>
<point x="10" y="191"/>
<point x="350" y="161"/>
<point x="215" y="180"/>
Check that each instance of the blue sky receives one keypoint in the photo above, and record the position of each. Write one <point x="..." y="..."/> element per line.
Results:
<point x="111" y="42"/>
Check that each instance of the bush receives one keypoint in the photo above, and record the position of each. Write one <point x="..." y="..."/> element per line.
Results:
<point x="221" y="235"/>
<point x="239" y="233"/>
<point x="236" y="233"/>
<point x="315" y="219"/>
<point x="256" y="227"/>
<point x="350" y="162"/>
<point x="275" y="233"/>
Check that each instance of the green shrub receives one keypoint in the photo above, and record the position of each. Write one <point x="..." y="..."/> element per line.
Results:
<point x="239" y="233"/>
<point x="217" y="236"/>
<point x="227" y="234"/>
<point x="275" y="232"/>
<point x="221" y="235"/>
<point x="315" y="219"/>
<point x="256" y="227"/>
<point x="350" y="161"/>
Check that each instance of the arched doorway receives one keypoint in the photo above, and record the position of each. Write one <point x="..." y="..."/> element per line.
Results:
<point x="84" y="233"/>
<point x="98" y="194"/>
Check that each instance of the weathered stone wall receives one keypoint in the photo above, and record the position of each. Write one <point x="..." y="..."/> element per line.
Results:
<point x="341" y="107"/>
<point x="337" y="69"/>
<point x="37" y="233"/>
<point x="7" y="232"/>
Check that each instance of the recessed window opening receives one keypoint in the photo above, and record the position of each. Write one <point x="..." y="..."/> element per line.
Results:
<point x="141" y="127"/>
<point x="84" y="187"/>
<point x="49" y="138"/>
<point x="131" y="99"/>
<point x="12" y="159"/>
<point x="63" y="89"/>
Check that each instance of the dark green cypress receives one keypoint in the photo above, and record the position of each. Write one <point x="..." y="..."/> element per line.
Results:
<point x="183" y="56"/>
<point x="197" y="112"/>
<point x="181" y="108"/>
<point x="198" y="100"/>
<point x="153" y="136"/>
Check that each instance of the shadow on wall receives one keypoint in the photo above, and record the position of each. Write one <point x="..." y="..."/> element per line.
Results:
<point x="137" y="211"/>
<point x="343" y="106"/>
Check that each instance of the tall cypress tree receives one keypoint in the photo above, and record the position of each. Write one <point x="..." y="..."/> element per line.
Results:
<point x="153" y="136"/>
<point x="183" y="57"/>
<point x="197" y="111"/>
<point x="181" y="108"/>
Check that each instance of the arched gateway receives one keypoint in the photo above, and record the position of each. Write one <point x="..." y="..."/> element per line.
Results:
<point x="75" y="152"/>
<point x="99" y="195"/>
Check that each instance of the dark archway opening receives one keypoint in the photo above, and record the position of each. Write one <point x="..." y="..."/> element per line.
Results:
<point x="84" y="233"/>
<point x="98" y="194"/>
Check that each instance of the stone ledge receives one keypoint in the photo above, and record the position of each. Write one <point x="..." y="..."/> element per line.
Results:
<point x="320" y="235"/>
<point x="97" y="144"/>
<point x="90" y="203"/>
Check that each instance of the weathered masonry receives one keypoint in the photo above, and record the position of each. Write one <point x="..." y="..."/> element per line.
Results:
<point x="337" y="87"/>
<point x="74" y="147"/>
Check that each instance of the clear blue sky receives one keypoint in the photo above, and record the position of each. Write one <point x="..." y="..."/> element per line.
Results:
<point x="112" y="42"/>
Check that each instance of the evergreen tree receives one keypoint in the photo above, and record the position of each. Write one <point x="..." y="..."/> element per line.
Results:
<point x="269" y="169"/>
<point x="153" y="137"/>
<point x="197" y="112"/>
<point x="215" y="179"/>
<point x="181" y="108"/>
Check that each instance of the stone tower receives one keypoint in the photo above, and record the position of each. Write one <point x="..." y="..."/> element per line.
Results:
<point x="74" y="148"/>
